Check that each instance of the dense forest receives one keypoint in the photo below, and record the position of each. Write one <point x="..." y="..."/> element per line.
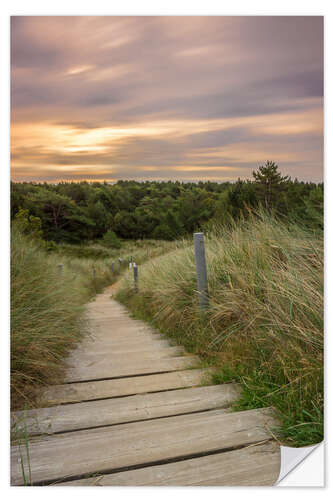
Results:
<point x="78" y="212"/>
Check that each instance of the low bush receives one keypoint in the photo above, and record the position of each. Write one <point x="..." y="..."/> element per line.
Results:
<point x="111" y="240"/>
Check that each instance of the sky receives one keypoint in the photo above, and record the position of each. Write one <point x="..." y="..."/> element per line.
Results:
<point x="165" y="98"/>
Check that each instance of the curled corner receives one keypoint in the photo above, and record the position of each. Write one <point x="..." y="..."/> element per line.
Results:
<point x="292" y="457"/>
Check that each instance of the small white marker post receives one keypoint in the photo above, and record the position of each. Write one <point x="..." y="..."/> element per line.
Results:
<point x="200" y="261"/>
<point x="135" y="275"/>
<point x="60" y="266"/>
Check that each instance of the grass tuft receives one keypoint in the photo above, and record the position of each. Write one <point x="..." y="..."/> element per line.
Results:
<point x="46" y="307"/>
<point x="264" y="327"/>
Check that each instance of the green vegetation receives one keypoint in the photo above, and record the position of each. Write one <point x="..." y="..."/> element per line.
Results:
<point x="86" y="212"/>
<point x="44" y="315"/>
<point x="264" y="240"/>
<point x="264" y="327"/>
<point x="111" y="240"/>
<point x="46" y="308"/>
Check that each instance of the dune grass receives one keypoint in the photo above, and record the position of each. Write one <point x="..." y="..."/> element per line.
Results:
<point x="264" y="327"/>
<point x="139" y="250"/>
<point x="45" y="312"/>
<point x="46" y="308"/>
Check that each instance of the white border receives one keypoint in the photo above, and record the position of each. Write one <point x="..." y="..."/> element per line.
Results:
<point x="142" y="7"/>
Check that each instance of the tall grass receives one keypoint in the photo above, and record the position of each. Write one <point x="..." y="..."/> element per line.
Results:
<point x="264" y="327"/>
<point x="46" y="308"/>
<point x="45" y="312"/>
<point x="139" y="250"/>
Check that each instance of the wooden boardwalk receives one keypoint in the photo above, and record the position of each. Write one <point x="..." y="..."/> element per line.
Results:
<point x="133" y="411"/>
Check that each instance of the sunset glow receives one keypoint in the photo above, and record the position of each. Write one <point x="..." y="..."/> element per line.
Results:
<point x="205" y="98"/>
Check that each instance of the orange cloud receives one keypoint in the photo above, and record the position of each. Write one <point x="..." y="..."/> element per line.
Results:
<point x="166" y="96"/>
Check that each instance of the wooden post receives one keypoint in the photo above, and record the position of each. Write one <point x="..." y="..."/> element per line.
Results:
<point x="135" y="274"/>
<point x="112" y="267"/>
<point x="200" y="261"/>
<point x="94" y="272"/>
<point x="60" y="266"/>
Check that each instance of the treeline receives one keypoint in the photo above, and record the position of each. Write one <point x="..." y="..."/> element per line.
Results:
<point x="77" y="212"/>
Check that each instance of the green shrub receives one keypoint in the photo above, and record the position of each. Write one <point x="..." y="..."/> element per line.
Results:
<point x="110" y="240"/>
<point x="83" y="251"/>
<point x="28" y="224"/>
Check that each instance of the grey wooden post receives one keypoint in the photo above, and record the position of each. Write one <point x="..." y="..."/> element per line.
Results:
<point x="60" y="266"/>
<point x="94" y="272"/>
<point x="135" y="274"/>
<point x="112" y="267"/>
<point x="200" y="261"/>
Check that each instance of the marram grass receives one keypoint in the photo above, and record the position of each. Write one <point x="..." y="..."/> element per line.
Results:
<point x="46" y="308"/>
<point x="264" y="327"/>
<point x="45" y="311"/>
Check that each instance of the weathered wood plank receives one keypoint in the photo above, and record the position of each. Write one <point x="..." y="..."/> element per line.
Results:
<point x="257" y="465"/>
<point x="120" y="321"/>
<point x="85" y="391"/>
<point x="108" y="448"/>
<point x="112" y="326"/>
<point x="108" y="333"/>
<point x="123" y="347"/>
<point x="93" y="355"/>
<point x="124" y="344"/>
<point x="103" y="368"/>
<point x="128" y="409"/>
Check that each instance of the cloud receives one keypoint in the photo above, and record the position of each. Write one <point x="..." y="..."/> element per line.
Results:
<point x="132" y="93"/>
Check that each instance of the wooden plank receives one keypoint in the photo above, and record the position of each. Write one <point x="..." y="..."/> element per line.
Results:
<point x="85" y="391"/>
<point x="257" y="465"/>
<point x="119" y="321"/>
<point x="102" y="368"/>
<point x="123" y="347"/>
<point x="121" y="317"/>
<point x="128" y="409"/>
<point x="129" y="333"/>
<point x="122" y="344"/>
<point x="98" y="318"/>
<point x="105" y="449"/>
<point x="106" y="300"/>
<point x="91" y="355"/>
<point x="114" y="327"/>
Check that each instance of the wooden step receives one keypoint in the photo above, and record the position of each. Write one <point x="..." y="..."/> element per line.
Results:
<point x="102" y="369"/>
<point x="109" y="448"/>
<point x="124" y="344"/>
<point x="85" y="391"/>
<point x="128" y="409"/>
<point x="127" y="347"/>
<point x="129" y="333"/>
<point x="92" y="355"/>
<point x="257" y="465"/>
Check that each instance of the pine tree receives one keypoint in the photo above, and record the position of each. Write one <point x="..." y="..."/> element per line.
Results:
<point x="270" y="183"/>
